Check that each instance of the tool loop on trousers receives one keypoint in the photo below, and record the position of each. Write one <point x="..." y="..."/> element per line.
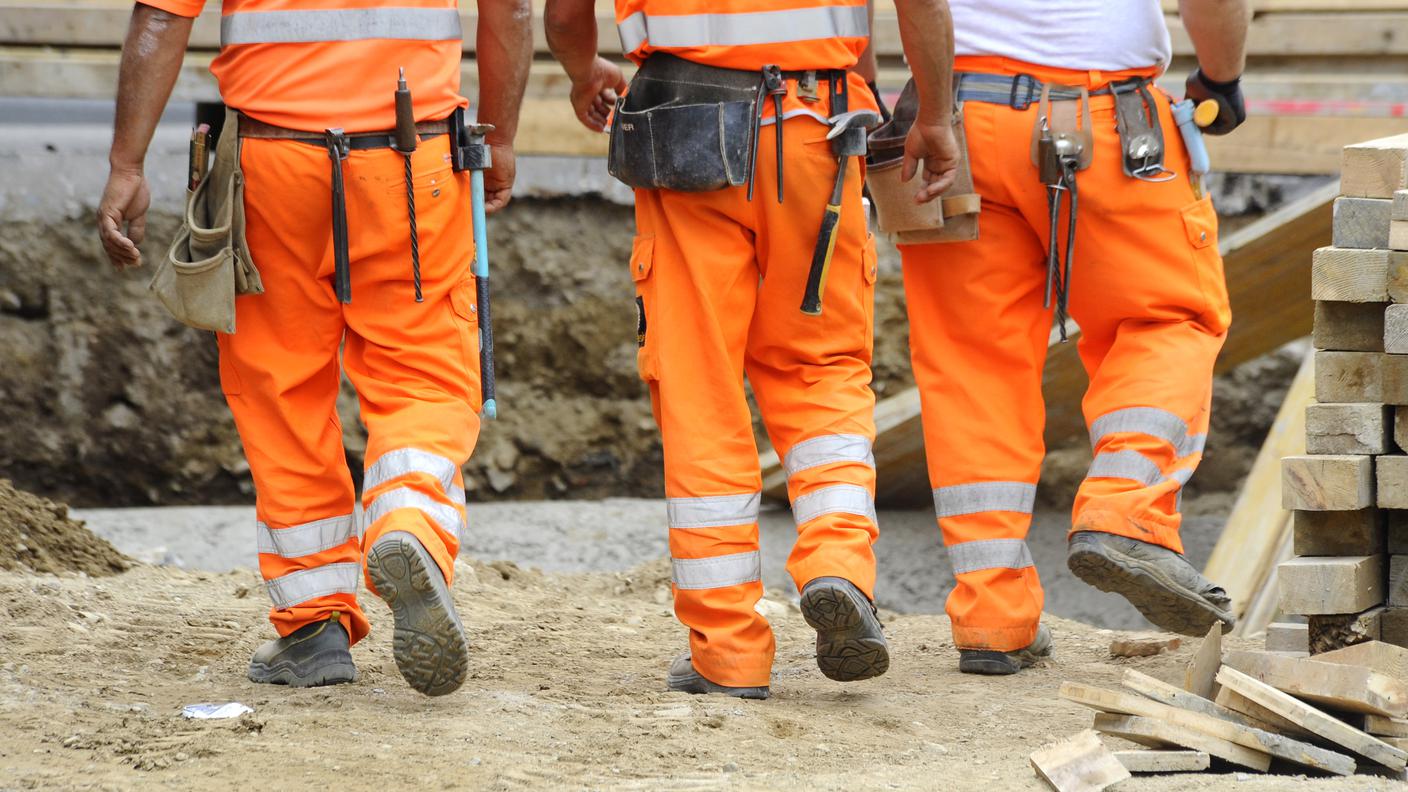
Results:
<point x="338" y="148"/>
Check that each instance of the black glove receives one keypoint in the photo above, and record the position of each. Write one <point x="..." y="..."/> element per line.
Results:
<point x="1231" y="108"/>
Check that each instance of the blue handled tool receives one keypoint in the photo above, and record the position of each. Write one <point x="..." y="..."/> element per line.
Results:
<point x="472" y="154"/>
<point x="1191" y="119"/>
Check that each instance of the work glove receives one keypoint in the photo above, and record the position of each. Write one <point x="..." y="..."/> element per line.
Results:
<point x="1231" y="108"/>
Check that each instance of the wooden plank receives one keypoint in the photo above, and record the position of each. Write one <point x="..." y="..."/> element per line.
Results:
<point x="1349" y="327"/>
<point x="1342" y="482"/>
<point x="1381" y="726"/>
<point x="1288" y="637"/>
<point x="1332" y="631"/>
<point x="1362" y="222"/>
<point x="1143" y="645"/>
<point x="1265" y="605"/>
<point x="1396" y="529"/>
<point x="1331" y="584"/>
<point x="1294" y="144"/>
<point x="1385" y="658"/>
<point x="1231" y="700"/>
<point x="1396" y="329"/>
<point x="1357" y="428"/>
<point x="1398" y="276"/>
<point x="1276" y="745"/>
<point x="1391" y="477"/>
<point x="1398" y="581"/>
<point x="1199" y="676"/>
<point x="1157" y="734"/>
<point x="1349" y="275"/>
<point x="1348" y="376"/>
<point x="1394" y="626"/>
<point x="1174" y="696"/>
<point x="1337" y="686"/>
<point x="1150" y="761"/>
<point x="1247" y="552"/>
<point x="1393" y="379"/>
<point x="1398" y="234"/>
<point x="1312" y="719"/>
<point x="1400" y="205"/>
<point x="1375" y="168"/>
<point x="1342" y="533"/>
<point x="1080" y="763"/>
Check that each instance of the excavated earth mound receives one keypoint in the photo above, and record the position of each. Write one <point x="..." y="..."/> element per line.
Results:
<point x="36" y="534"/>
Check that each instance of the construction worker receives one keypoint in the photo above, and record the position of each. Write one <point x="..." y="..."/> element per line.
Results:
<point x="313" y="85"/>
<point x="724" y="133"/>
<point x="1141" y="274"/>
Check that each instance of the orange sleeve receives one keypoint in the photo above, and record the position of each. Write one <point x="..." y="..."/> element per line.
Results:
<point x="185" y="8"/>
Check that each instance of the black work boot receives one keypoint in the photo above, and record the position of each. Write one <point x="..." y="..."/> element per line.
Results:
<point x="990" y="662"/>
<point x="850" y="645"/>
<point x="429" y="641"/>
<point x="683" y="678"/>
<point x="314" y="654"/>
<point x="1159" y="582"/>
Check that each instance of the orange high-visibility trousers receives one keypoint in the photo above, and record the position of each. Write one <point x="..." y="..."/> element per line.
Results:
<point x="1148" y="293"/>
<point x="719" y="284"/>
<point x="415" y="367"/>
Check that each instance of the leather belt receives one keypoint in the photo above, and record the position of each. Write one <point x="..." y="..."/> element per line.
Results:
<point x="356" y="141"/>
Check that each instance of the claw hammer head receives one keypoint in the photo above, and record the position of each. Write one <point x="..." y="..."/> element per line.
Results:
<point x="847" y="134"/>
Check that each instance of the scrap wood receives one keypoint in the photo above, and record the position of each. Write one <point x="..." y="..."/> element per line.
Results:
<point x="1080" y="763"/>
<point x="1155" y="761"/>
<point x="1200" y="676"/>
<point x="1160" y="734"/>
<point x="1265" y="742"/>
<point x="1173" y="696"/>
<point x="1232" y="700"/>
<point x="1326" y="726"/>
<point x="1383" y="658"/>
<point x="1143" y="645"/>
<point x="1345" y="687"/>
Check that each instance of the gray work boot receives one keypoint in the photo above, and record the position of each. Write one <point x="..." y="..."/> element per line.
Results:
<point x="990" y="662"/>
<point x="429" y="642"/>
<point x="1159" y="582"/>
<point x="314" y="654"/>
<point x="849" y="643"/>
<point x="684" y="679"/>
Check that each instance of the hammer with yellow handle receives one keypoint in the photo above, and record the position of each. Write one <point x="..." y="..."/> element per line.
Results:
<point x="847" y="138"/>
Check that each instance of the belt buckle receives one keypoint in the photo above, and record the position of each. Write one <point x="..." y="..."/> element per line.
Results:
<point x="1026" y="101"/>
<point x="338" y="143"/>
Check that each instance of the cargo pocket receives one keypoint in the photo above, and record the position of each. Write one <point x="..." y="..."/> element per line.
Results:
<point x="1200" y="226"/>
<point x="465" y="308"/>
<point x="870" y="272"/>
<point x="647" y="356"/>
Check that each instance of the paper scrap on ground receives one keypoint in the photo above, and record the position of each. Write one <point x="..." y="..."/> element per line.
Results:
<point x="233" y="709"/>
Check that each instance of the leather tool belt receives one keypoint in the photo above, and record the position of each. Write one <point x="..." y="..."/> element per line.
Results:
<point x="693" y="128"/>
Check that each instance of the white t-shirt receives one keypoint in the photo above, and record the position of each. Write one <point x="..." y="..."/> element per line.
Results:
<point x="1105" y="35"/>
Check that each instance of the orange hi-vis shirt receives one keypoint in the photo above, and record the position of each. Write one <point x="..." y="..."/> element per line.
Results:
<point x="794" y="35"/>
<point x="318" y="64"/>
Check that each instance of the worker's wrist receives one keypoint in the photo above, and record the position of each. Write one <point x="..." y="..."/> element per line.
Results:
<point x="1221" y="86"/>
<point x="126" y="164"/>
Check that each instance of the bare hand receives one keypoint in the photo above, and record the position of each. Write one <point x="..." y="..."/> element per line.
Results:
<point x="936" y="147"/>
<point x="122" y="217"/>
<point x="498" y="180"/>
<point x="594" y="96"/>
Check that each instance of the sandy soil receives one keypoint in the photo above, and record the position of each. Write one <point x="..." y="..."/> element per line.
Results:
<point x="565" y="692"/>
<point x="36" y="535"/>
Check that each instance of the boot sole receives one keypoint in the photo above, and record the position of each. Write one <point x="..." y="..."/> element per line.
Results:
<point x="429" y="641"/>
<point x="331" y="672"/>
<point x="1168" y="605"/>
<point x="988" y="666"/>
<point x="849" y="643"/>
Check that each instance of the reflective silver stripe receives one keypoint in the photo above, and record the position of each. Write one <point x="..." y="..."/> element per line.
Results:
<point x="405" y="461"/>
<point x="835" y="499"/>
<point x="738" y="30"/>
<point x="445" y="515"/>
<point x="339" y="24"/>
<point x="713" y="511"/>
<point x="989" y="554"/>
<point x="306" y="539"/>
<point x="825" y="450"/>
<point x="984" y="496"/>
<point x="1151" y="421"/>
<point x="305" y="584"/>
<point x="719" y="571"/>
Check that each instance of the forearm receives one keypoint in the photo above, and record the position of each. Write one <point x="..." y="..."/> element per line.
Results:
<point x="1218" y="29"/>
<point x="926" y="32"/>
<point x="571" y="32"/>
<point x="151" y="61"/>
<point x="868" y="67"/>
<point x="503" y="53"/>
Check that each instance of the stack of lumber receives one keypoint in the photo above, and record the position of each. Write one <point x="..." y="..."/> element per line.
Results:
<point x="1349" y="492"/>
<point x="1340" y="713"/>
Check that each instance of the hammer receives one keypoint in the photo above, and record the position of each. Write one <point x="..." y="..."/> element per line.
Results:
<point x="847" y="138"/>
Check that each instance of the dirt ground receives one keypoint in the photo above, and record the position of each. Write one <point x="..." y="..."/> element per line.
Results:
<point x="36" y="535"/>
<point x="566" y="692"/>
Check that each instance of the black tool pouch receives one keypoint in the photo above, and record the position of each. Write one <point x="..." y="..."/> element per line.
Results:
<point x="684" y="126"/>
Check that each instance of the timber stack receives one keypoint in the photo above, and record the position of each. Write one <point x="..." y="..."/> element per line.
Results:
<point x="1349" y="492"/>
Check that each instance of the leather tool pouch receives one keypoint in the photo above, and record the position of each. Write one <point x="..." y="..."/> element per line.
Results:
<point x="209" y="262"/>
<point x="684" y="126"/>
<point x="1141" y="134"/>
<point x="1068" y="118"/>
<point x="953" y="217"/>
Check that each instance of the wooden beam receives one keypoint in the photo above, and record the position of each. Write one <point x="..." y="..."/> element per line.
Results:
<point x="1333" y="685"/>
<point x="1348" y="376"/>
<point x="1349" y="327"/>
<point x="1339" y="533"/>
<point x="1347" y="428"/>
<point x="1312" y="719"/>
<point x="1149" y="761"/>
<point x="1398" y="581"/>
<point x="1327" y="483"/>
<point x="1080" y="763"/>
<point x="1174" y="696"/>
<point x="1158" y="734"/>
<point x="1288" y="637"/>
<point x="1247" y="551"/>
<point x="1231" y="700"/>
<point x="1391" y="476"/>
<point x="1331" y="584"/>
<point x="1349" y="275"/>
<point x="1376" y="168"/>
<point x="1295" y="144"/>
<point x="1396" y="329"/>
<point x="1384" y="658"/>
<point x="1362" y="222"/>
